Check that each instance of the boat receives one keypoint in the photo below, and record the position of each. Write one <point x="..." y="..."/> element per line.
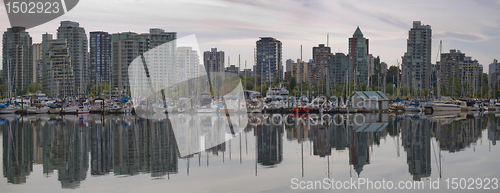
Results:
<point x="97" y="106"/>
<point x="114" y="108"/>
<point x="476" y="107"/>
<point x="55" y="108"/>
<point x="463" y="105"/>
<point x="183" y="105"/>
<point x="411" y="108"/>
<point x="441" y="106"/>
<point x="229" y="105"/>
<point x="316" y="104"/>
<point x="277" y="97"/>
<point x="278" y="91"/>
<point x="83" y="107"/>
<point x="11" y="109"/>
<point x="301" y="106"/>
<point x="37" y="109"/>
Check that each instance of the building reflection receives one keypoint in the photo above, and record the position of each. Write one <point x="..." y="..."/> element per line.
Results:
<point x="65" y="149"/>
<point x="126" y="145"/>
<point x="494" y="130"/>
<point x="17" y="151"/>
<point x="144" y="146"/>
<point x="101" y="146"/>
<point x="416" y="140"/>
<point x="458" y="133"/>
<point x="269" y="144"/>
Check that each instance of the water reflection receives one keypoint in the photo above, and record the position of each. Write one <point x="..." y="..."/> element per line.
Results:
<point x="129" y="145"/>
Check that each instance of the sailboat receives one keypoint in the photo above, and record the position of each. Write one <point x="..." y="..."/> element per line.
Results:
<point x="11" y="108"/>
<point x="443" y="103"/>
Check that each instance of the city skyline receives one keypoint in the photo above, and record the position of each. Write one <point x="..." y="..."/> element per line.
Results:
<point x="385" y="24"/>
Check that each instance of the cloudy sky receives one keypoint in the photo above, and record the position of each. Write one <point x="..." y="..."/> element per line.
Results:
<point x="234" y="25"/>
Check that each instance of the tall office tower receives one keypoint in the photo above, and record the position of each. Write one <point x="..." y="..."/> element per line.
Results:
<point x="339" y="69"/>
<point x="320" y="58"/>
<point x="268" y="63"/>
<point x="37" y="58"/>
<point x="100" y="57"/>
<point x="17" y="54"/>
<point x="125" y="47"/>
<point x="57" y="71"/>
<point x="416" y="68"/>
<point x="358" y="52"/>
<point x="78" y="50"/>
<point x="299" y="70"/>
<point x="213" y="60"/>
<point x="494" y="74"/>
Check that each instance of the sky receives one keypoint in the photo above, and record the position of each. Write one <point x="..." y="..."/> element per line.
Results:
<point x="234" y="26"/>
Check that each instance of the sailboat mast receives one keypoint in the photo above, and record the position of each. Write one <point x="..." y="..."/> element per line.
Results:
<point x="398" y="85"/>
<point x="438" y="76"/>
<point x="302" y="78"/>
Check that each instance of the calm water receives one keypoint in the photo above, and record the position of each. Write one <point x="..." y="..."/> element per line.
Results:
<point x="128" y="154"/>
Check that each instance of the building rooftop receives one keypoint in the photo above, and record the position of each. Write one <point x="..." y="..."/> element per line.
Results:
<point x="357" y="33"/>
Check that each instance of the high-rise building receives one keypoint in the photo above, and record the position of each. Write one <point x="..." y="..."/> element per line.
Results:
<point x="57" y="72"/>
<point x="42" y="68"/>
<point x="188" y="63"/>
<point x="416" y="68"/>
<point x="158" y="37"/>
<point x="456" y="65"/>
<point x="448" y="66"/>
<point x="268" y="61"/>
<point x="358" y="53"/>
<point x="470" y="73"/>
<point x="383" y="74"/>
<point x="339" y="69"/>
<point x="288" y="69"/>
<point x="371" y="64"/>
<point x="383" y="68"/>
<point x="232" y="69"/>
<point x="320" y="58"/>
<point x="100" y="57"/>
<point x="299" y="70"/>
<point x="78" y="50"/>
<point x="161" y="57"/>
<point x="494" y="74"/>
<point x="17" y="62"/>
<point x="213" y="60"/>
<point x="126" y="47"/>
<point x="37" y="58"/>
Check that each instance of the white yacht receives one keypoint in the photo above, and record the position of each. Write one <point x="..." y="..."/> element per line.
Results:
<point x="442" y="106"/>
<point x="37" y="109"/>
<point x="277" y="97"/>
<point x="278" y="91"/>
<point x="11" y="109"/>
<point x="97" y="106"/>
